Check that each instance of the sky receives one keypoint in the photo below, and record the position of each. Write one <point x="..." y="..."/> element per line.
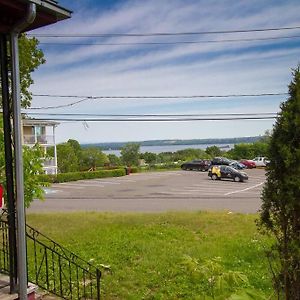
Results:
<point x="180" y="69"/>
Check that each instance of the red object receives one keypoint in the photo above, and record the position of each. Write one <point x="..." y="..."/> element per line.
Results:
<point x="248" y="163"/>
<point x="1" y="196"/>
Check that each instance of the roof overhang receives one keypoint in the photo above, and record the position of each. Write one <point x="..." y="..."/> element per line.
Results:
<point x="34" y="122"/>
<point x="47" y="12"/>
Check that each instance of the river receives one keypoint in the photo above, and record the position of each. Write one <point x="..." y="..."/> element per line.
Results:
<point x="173" y="148"/>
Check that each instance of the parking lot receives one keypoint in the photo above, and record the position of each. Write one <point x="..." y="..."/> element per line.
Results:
<point x="154" y="192"/>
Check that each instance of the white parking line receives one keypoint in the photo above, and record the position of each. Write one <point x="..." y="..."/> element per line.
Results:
<point x="246" y="189"/>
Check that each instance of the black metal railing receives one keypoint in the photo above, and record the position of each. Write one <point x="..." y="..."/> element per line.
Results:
<point x="4" y="246"/>
<point x="53" y="267"/>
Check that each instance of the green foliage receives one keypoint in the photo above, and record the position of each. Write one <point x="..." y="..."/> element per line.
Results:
<point x="114" y="160"/>
<point x="91" y="158"/>
<point x="149" y="157"/>
<point x="30" y="59"/>
<point x="73" y="176"/>
<point x="32" y="167"/>
<point x="67" y="161"/>
<point x="130" y="154"/>
<point x="215" y="281"/>
<point x="190" y="154"/>
<point x="280" y="213"/>
<point x="249" y="151"/>
<point x="214" y="151"/>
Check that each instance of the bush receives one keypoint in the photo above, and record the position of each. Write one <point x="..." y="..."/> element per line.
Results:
<point x="73" y="176"/>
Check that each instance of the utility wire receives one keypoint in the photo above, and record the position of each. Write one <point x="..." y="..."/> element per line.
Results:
<point x="172" y="43"/>
<point x="154" y="120"/>
<point x="162" y="33"/>
<point x="86" y="98"/>
<point x="151" y="115"/>
<point x="161" y="97"/>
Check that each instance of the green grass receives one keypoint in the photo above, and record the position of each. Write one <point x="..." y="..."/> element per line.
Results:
<point x="145" y="251"/>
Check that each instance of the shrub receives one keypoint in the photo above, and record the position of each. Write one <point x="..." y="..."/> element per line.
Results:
<point x="73" y="176"/>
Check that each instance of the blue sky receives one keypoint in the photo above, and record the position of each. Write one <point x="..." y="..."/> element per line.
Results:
<point x="176" y="69"/>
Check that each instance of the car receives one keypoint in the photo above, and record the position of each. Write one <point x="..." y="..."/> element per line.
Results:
<point x="261" y="161"/>
<point x="250" y="164"/>
<point x="221" y="161"/>
<point x="199" y="165"/>
<point x="237" y="165"/>
<point x="226" y="172"/>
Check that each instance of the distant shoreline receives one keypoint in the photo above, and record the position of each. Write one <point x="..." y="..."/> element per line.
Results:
<point x="176" y="142"/>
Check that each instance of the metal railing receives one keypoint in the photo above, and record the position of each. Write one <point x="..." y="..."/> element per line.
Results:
<point x="41" y="139"/>
<point x="49" y="162"/>
<point x="52" y="267"/>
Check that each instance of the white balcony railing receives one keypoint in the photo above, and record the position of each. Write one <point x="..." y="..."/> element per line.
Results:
<point x="40" y="139"/>
<point x="49" y="162"/>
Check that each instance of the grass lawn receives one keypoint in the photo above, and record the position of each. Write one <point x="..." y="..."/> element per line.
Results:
<point x="146" y="251"/>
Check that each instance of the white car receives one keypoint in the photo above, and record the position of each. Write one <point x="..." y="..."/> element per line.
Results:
<point x="261" y="161"/>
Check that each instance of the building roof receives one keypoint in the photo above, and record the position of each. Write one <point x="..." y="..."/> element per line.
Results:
<point x="33" y="122"/>
<point x="47" y="12"/>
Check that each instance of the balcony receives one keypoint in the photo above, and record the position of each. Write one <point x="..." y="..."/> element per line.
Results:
<point x="49" y="162"/>
<point x="40" y="139"/>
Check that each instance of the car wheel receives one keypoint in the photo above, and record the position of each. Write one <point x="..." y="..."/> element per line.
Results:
<point x="237" y="179"/>
<point x="214" y="177"/>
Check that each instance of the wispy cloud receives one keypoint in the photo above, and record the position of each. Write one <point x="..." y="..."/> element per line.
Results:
<point x="180" y="69"/>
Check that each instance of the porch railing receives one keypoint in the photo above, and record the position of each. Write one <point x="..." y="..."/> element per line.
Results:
<point x="53" y="267"/>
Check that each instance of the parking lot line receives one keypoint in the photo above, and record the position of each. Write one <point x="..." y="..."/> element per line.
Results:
<point x="246" y="189"/>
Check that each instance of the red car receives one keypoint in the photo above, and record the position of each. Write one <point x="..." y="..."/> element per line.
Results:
<point x="248" y="163"/>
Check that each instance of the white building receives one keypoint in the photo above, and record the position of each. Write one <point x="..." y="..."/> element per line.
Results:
<point x="42" y="133"/>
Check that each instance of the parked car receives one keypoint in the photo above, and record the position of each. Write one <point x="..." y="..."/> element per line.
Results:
<point x="226" y="172"/>
<point x="237" y="165"/>
<point x="221" y="161"/>
<point x="250" y="164"/>
<point x="261" y="161"/>
<point x="199" y="165"/>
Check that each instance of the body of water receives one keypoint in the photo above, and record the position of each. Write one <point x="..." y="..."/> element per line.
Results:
<point x="173" y="148"/>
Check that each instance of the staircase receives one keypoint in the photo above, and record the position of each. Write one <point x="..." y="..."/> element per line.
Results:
<point x="52" y="267"/>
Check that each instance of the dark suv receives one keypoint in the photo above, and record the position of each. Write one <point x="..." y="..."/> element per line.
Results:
<point x="226" y="172"/>
<point x="221" y="161"/>
<point x="199" y="165"/>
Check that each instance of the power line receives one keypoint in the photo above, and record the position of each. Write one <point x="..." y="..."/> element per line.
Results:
<point x="172" y="43"/>
<point x="151" y="115"/>
<point x="162" y="33"/>
<point x="86" y="98"/>
<point x="154" y="120"/>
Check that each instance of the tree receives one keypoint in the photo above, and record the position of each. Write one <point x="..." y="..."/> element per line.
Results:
<point x="280" y="212"/>
<point x="114" y="160"/>
<point x="91" y="158"/>
<point x="149" y="157"/>
<point x="213" y="151"/>
<point x="130" y="154"/>
<point x="66" y="158"/>
<point x="32" y="167"/>
<point x="30" y="59"/>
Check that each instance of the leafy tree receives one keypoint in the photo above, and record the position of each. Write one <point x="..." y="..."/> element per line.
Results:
<point x="114" y="160"/>
<point x="130" y="154"/>
<point x="30" y="59"/>
<point x="91" y="158"/>
<point x="67" y="160"/>
<point x="214" y="151"/>
<point x="32" y="167"/>
<point x="149" y="157"/>
<point x="280" y="212"/>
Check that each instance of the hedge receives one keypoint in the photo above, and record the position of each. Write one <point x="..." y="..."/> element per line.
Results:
<point x="65" y="177"/>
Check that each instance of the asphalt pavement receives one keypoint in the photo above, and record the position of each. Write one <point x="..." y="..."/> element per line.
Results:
<point x="155" y="192"/>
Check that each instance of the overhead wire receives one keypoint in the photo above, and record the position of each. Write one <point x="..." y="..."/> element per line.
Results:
<point x="150" y="115"/>
<point x="171" y="43"/>
<point x="163" y="33"/>
<point x="154" y="120"/>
